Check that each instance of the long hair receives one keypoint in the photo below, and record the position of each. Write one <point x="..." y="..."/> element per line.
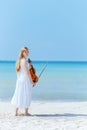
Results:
<point x="19" y="58"/>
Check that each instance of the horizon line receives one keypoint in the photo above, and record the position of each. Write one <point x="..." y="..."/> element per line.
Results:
<point x="61" y="61"/>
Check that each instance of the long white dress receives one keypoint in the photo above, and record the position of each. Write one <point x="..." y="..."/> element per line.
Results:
<point x="22" y="94"/>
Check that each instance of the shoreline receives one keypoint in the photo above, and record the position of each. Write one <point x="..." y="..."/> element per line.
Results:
<point x="52" y="101"/>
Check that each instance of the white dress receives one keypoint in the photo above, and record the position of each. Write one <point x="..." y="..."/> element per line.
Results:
<point x="22" y="94"/>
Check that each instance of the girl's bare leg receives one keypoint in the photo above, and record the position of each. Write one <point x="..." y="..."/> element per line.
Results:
<point x="16" y="112"/>
<point x="26" y="112"/>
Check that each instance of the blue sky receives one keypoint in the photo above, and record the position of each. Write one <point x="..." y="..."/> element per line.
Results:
<point x="51" y="29"/>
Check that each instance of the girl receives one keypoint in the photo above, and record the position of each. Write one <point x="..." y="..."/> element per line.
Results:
<point x="22" y="94"/>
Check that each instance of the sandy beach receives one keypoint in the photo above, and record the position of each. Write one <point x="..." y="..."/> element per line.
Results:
<point x="45" y="116"/>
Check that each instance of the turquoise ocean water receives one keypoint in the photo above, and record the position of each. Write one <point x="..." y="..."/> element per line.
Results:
<point x="60" y="81"/>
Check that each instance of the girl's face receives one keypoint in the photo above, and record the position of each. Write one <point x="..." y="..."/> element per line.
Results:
<point x="27" y="51"/>
<point x="25" y="54"/>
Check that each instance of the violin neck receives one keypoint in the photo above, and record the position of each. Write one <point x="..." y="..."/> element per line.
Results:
<point x="32" y="66"/>
<point x="30" y="63"/>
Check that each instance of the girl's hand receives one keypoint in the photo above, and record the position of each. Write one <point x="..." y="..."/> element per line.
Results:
<point x="34" y="84"/>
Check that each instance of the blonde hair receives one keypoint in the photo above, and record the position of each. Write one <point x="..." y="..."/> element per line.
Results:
<point x="19" y="58"/>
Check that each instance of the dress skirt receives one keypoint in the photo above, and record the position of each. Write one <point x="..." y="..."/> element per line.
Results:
<point x="22" y="94"/>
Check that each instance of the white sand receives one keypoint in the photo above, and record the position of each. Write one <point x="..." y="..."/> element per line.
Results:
<point x="45" y="116"/>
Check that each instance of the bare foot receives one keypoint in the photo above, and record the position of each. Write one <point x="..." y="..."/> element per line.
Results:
<point x="21" y="114"/>
<point x="16" y="114"/>
<point x="27" y="114"/>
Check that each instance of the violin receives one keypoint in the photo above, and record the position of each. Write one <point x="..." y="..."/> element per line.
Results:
<point x="32" y="72"/>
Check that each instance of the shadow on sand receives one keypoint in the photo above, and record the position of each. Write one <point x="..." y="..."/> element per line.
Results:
<point x="60" y="115"/>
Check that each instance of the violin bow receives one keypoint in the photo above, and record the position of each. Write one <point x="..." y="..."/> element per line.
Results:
<point x="42" y="70"/>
